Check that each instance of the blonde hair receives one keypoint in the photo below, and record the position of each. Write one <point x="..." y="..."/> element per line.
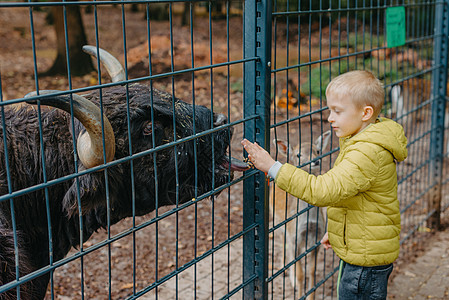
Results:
<point x="361" y="86"/>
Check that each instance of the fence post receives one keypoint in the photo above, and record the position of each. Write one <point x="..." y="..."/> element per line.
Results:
<point x="439" y="89"/>
<point x="257" y="76"/>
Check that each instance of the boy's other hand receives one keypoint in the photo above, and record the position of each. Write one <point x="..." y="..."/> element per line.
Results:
<point x="258" y="156"/>
<point x="325" y="242"/>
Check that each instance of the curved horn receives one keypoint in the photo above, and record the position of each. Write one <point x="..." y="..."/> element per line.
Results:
<point x="112" y="65"/>
<point x="90" y="143"/>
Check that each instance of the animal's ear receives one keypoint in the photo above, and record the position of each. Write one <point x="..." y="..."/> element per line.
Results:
<point x="323" y="140"/>
<point x="396" y="94"/>
<point x="284" y="147"/>
<point x="89" y="192"/>
<point x="397" y="101"/>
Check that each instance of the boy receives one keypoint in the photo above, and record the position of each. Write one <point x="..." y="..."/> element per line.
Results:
<point x="360" y="190"/>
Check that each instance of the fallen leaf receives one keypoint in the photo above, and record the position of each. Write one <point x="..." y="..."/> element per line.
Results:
<point x="409" y="274"/>
<point x="127" y="286"/>
<point x="424" y="229"/>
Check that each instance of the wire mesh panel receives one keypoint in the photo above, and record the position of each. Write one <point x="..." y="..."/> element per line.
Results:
<point x="160" y="207"/>
<point x="313" y="42"/>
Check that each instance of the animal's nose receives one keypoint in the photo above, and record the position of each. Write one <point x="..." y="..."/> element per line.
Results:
<point x="219" y="119"/>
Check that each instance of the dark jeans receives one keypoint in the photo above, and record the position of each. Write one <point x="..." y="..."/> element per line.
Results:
<point x="364" y="283"/>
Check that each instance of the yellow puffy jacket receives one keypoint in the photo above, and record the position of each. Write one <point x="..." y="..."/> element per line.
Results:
<point x="361" y="193"/>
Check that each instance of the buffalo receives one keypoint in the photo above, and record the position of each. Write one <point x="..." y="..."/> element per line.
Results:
<point x="142" y="150"/>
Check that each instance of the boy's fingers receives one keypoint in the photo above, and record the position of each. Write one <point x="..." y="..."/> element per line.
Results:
<point x="246" y="143"/>
<point x="248" y="146"/>
<point x="259" y="147"/>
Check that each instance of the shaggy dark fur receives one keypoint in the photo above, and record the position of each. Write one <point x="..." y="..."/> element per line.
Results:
<point x="26" y="169"/>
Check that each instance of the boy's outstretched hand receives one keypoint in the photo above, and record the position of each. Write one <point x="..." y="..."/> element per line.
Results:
<point x="325" y="241"/>
<point x="258" y="156"/>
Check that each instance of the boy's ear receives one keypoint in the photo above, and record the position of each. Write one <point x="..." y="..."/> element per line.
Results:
<point x="368" y="112"/>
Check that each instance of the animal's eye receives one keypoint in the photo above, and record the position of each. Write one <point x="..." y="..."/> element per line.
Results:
<point x="148" y="130"/>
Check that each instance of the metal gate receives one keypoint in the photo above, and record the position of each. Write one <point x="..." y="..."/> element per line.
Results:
<point x="168" y="217"/>
<point x="404" y="43"/>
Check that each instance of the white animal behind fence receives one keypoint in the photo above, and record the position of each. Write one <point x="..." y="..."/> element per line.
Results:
<point x="303" y="232"/>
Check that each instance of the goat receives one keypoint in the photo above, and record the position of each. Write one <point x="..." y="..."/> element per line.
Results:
<point x="39" y="225"/>
<point x="303" y="231"/>
<point x="397" y="102"/>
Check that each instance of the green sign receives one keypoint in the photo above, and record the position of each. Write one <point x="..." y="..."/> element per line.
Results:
<point x="395" y="19"/>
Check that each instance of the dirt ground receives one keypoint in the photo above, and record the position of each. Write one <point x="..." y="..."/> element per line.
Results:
<point x="136" y="259"/>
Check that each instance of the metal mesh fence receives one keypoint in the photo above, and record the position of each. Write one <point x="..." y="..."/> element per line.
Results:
<point x="169" y="186"/>
<point x="166" y="213"/>
<point x="313" y="42"/>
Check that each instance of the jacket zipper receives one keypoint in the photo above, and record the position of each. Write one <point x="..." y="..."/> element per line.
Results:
<point x="344" y="229"/>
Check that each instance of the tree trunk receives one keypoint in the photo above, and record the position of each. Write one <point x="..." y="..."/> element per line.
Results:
<point x="80" y="62"/>
<point x="186" y="14"/>
<point x="159" y="11"/>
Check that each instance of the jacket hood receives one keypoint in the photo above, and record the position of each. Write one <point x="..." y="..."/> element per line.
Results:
<point x="385" y="133"/>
